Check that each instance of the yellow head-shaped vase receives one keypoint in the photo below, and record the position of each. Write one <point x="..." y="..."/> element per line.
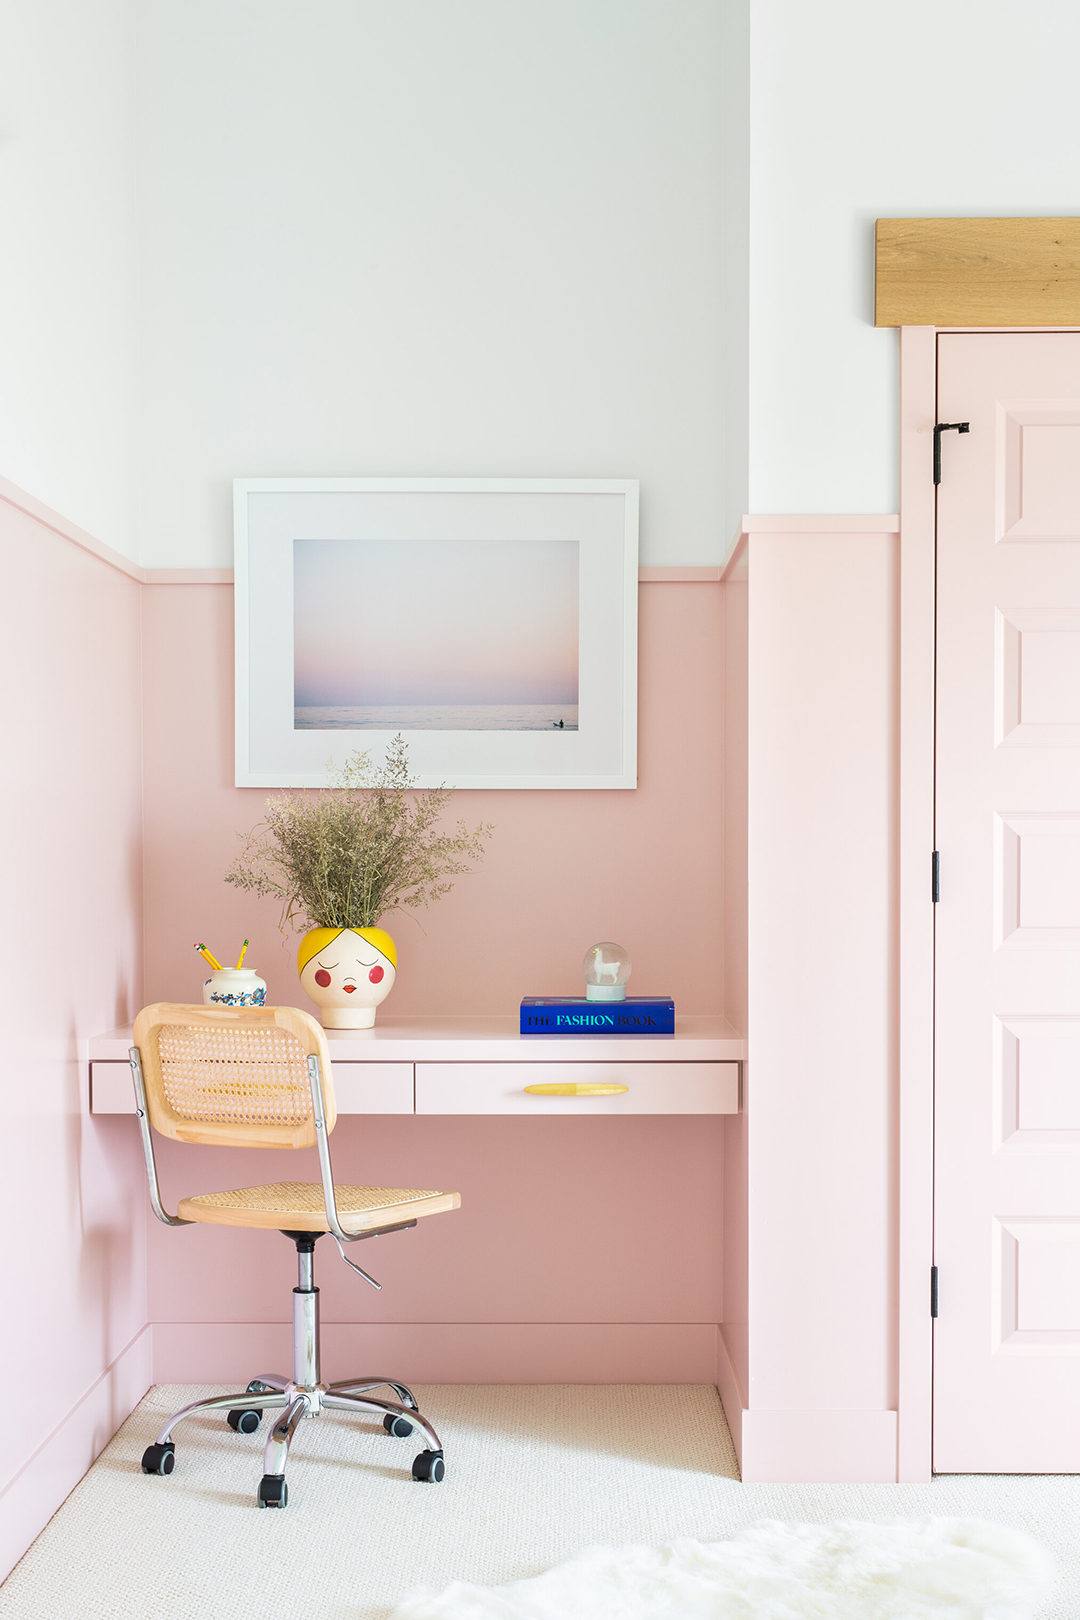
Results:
<point x="347" y="972"/>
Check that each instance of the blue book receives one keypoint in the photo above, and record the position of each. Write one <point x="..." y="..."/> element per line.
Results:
<point x="574" y="1015"/>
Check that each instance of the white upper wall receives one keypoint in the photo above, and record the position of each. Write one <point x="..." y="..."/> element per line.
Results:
<point x="429" y="238"/>
<point x="932" y="107"/>
<point x="67" y="265"/>
<point x="482" y="238"/>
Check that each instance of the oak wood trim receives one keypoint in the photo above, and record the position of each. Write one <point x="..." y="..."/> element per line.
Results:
<point x="977" y="272"/>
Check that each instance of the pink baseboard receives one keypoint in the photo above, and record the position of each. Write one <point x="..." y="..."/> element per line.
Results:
<point x="29" y="1500"/>
<point x="818" y="1447"/>
<point x="447" y="1352"/>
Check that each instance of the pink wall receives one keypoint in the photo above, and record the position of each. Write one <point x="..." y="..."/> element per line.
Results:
<point x="564" y="869"/>
<point x="733" y="1349"/>
<point x="558" y="1236"/>
<point x="814" y="1156"/>
<point x="73" y="1209"/>
<point x="779" y="1224"/>
<point x="556" y="1266"/>
<point x="763" y="887"/>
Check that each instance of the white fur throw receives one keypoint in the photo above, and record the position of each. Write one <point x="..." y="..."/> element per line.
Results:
<point x="911" y="1569"/>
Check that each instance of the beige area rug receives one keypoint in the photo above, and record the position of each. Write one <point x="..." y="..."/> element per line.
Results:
<point x="534" y="1475"/>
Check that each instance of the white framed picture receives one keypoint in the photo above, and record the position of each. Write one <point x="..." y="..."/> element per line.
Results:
<point x="491" y="621"/>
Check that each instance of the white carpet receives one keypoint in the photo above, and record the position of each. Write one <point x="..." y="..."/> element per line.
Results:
<point x="912" y="1569"/>
<point x="535" y="1474"/>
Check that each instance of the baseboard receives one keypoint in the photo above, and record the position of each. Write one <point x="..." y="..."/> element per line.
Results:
<point x="446" y="1352"/>
<point x="29" y="1500"/>
<point x="732" y="1395"/>
<point x="826" y="1447"/>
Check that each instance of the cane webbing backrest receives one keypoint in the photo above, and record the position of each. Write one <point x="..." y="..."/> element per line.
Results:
<point x="232" y="1076"/>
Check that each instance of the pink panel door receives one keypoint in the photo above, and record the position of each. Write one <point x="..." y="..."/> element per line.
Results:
<point x="1007" y="1089"/>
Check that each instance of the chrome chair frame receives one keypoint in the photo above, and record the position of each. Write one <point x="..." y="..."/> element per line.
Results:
<point x="304" y="1394"/>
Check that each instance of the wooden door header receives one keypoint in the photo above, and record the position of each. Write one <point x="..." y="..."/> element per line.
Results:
<point x="978" y="272"/>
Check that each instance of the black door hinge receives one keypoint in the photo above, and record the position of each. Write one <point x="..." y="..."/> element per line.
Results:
<point x="933" y="1290"/>
<point x="935" y="877"/>
<point x="939" y="429"/>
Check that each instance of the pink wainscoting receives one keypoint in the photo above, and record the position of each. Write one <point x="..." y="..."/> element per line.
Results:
<point x="73" y="1209"/>
<point x="564" y="868"/>
<point x="587" y="1249"/>
<point x="818" y="1149"/>
<point x="590" y="1248"/>
<point x="733" y="1349"/>
<point x="822" y="1004"/>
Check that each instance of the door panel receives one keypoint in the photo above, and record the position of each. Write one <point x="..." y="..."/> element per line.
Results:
<point x="1007" y="1078"/>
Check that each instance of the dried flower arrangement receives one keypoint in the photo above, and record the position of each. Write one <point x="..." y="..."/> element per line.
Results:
<point x="365" y="845"/>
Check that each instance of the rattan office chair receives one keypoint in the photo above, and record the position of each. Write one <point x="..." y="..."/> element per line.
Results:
<point x="261" y="1077"/>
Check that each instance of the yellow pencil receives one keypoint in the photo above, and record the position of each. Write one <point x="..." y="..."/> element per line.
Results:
<point x="243" y="953"/>
<point x="210" y="957"/>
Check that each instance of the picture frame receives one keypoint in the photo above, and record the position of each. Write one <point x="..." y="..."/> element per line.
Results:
<point x="492" y="622"/>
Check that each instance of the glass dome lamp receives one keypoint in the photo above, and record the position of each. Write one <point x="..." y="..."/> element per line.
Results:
<point x="606" y="968"/>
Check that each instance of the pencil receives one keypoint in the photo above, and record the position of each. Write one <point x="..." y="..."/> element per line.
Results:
<point x="210" y="957"/>
<point x="243" y="953"/>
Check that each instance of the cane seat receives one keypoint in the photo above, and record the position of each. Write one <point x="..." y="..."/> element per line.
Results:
<point x="298" y="1206"/>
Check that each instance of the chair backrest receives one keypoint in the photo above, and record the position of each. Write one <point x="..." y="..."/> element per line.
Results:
<point x="232" y="1076"/>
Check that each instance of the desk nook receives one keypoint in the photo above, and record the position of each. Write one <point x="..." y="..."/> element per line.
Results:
<point x="483" y="1066"/>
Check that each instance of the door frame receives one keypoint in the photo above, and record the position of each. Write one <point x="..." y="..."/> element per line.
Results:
<point x="914" y="972"/>
<point x="915" y="912"/>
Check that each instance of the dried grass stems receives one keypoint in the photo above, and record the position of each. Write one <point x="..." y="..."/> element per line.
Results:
<point x="363" y="846"/>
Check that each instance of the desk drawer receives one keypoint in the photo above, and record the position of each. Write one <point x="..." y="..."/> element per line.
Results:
<point x="360" y="1088"/>
<point x="373" y="1088"/>
<point x="652" y="1088"/>
<point x="111" y="1090"/>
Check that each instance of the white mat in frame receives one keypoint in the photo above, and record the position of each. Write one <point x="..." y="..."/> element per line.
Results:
<point x="390" y="659"/>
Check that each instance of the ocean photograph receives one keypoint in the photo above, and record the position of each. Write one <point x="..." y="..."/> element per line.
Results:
<point x="444" y="717"/>
<point x="435" y="635"/>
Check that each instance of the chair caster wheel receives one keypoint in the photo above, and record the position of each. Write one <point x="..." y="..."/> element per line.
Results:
<point x="430" y="1466"/>
<point x="399" y="1427"/>
<point x="159" y="1459"/>
<point x="245" y="1421"/>
<point x="273" y="1491"/>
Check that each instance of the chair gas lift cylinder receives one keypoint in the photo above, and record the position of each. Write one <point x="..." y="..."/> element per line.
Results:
<point x="261" y="1077"/>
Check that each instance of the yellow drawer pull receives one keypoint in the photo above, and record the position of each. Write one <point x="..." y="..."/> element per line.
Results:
<point x="565" y="1088"/>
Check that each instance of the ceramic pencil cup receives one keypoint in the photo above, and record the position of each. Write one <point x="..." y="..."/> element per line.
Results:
<point x="234" y="987"/>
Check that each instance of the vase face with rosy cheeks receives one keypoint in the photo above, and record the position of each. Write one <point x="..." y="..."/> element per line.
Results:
<point x="347" y="980"/>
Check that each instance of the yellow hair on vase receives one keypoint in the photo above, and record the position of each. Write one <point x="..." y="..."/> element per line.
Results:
<point x="347" y="972"/>
<point x="316" y="938"/>
<point x="312" y="943"/>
